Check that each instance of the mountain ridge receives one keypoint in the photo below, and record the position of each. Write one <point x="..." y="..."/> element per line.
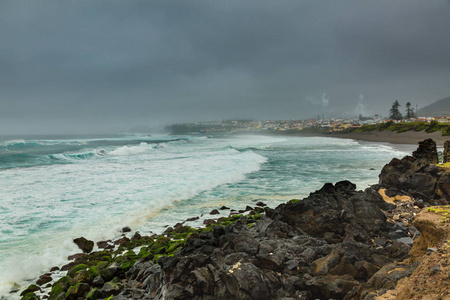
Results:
<point x="436" y="109"/>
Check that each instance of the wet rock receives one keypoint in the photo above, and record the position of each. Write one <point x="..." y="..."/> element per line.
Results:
<point x="32" y="288"/>
<point x="192" y="219"/>
<point x="75" y="256"/>
<point x="247" y="208"/>
<point x="43" y="279"/>
<point x="85" y="245"/>
<point x="77" y="291"/>
<point x="214" y="212"/>
<point x="126" y="229"/>
<point x="261" y="204"/>
<point x="224" y="207"/>
<point x="53" y="269"/>
<point x="122" y="240"/>
<point x="68" y="266"/>
<point x="105" y="245"/>
<point x="208" y="221"/>
<point x="136" y="236"/>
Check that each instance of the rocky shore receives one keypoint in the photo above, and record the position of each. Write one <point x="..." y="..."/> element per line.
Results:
<point x="338" y="243"/>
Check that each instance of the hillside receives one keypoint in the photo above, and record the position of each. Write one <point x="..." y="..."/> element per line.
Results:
<point x="436" y="109"/>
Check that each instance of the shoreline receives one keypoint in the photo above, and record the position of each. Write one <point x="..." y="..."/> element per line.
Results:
<point x="404" y="138"/>
<point x="355" y="237"/>
<point x="407" y="138"/>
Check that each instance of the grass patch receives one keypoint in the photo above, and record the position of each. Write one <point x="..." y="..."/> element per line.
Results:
<point x="404" y="127"/>
<point x="444" y="211"/>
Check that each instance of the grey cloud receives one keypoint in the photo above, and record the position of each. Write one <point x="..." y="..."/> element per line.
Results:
<point x="116" y="64"/>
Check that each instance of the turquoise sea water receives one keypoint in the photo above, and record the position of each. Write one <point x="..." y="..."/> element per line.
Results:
<point x="54" y="189"/>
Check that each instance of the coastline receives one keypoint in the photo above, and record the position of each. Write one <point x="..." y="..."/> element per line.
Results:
<point x="352" y="244"/>
<point x="408" y="137"/>
<point x="385" y="136"/>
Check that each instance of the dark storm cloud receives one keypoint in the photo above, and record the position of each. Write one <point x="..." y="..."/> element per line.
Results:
<point x="110" y="65"/>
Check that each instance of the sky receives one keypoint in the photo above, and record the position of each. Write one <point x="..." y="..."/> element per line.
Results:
<point x="107" y="65"/>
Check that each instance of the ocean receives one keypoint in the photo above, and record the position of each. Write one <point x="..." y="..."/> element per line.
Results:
<point x="55" y="189"/>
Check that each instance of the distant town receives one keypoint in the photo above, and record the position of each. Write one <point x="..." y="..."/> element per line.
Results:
<point x="292" y="126"/>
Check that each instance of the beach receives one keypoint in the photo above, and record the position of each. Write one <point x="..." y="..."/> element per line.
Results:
<point x="408" y="137"/>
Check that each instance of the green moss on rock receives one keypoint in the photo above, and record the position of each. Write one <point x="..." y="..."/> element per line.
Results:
<point x="30" y="296"/>
<point x="30" y="289"/>
<point x="74" y="270"/>
<point x="78" y="290"/>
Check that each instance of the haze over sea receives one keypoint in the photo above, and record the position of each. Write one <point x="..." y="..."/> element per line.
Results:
<point x="53" y="190"/>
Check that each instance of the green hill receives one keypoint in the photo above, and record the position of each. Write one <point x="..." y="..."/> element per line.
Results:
<point x="437" y="109"/>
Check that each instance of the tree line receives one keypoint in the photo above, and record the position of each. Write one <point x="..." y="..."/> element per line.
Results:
<point x="395" y="114"/>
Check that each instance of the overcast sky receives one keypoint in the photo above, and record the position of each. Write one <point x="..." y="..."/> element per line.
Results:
<point x="99" y="66"/>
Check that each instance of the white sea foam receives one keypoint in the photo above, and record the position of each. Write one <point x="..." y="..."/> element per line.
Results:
<point x="148" y="185"/>
<point x="95" y="198"/>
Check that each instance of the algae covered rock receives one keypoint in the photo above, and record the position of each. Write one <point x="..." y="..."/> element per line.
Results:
<point x="77" y="291"/>
<point x="30" y="289"/>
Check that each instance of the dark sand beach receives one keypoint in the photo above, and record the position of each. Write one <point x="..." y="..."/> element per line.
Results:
<point x="409" y="137"/>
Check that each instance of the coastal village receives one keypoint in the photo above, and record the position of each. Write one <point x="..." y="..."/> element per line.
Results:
<point x="319" y="124"/>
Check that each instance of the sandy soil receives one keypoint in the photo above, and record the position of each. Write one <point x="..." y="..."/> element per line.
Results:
<point x="431" y="279"/>
<point x="409" y="137"/>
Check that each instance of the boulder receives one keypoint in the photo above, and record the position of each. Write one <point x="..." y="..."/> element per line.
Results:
<point x="443" y="186"/>
<point x="331" y="287"/>
<point x="85" y="245"/>
<point x="447" y="151"/>
<point x="410" y="175"/>
<point x="77" y="291"/>
<point x="44" y="279"/>
<point x="427" y="150"/>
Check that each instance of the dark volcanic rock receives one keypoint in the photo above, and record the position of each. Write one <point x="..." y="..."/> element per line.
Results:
<point x="320" y="247"/>
<point x="447" y="151"/>
<point x="417" y="176"/>
<point x="44" y="279"/>
<point x="409" y="175"/>
<point x="85" y="245"/>
<point x="427" y="150"/>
